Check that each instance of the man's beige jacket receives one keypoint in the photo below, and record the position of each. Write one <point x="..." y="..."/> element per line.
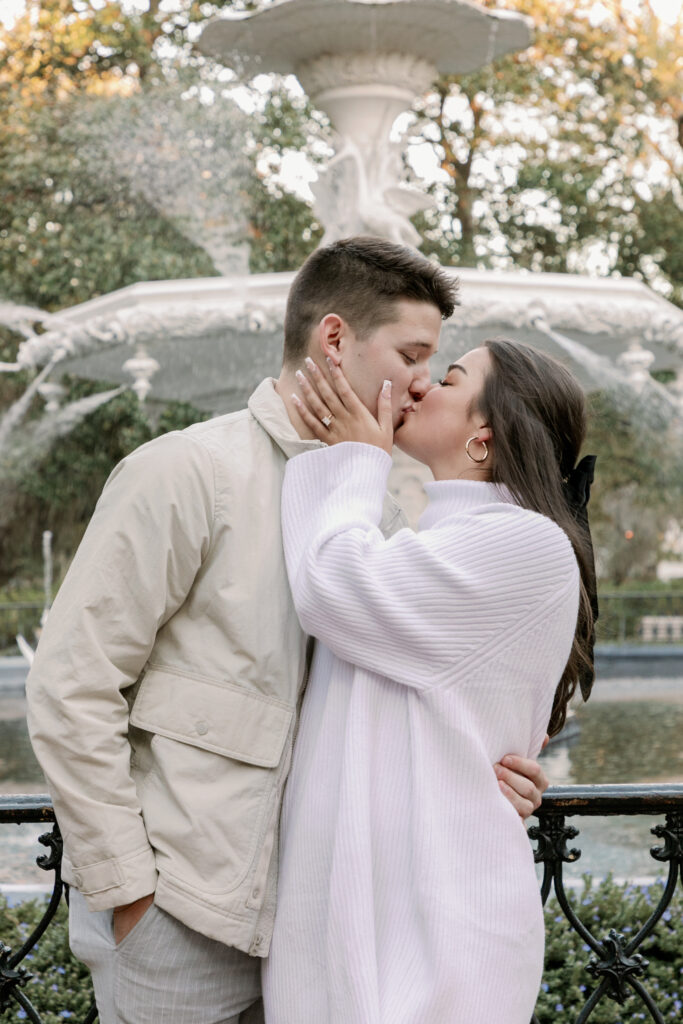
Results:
<point x="163" y="696"/>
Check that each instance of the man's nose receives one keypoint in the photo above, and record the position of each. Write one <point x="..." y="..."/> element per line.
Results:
<point x="421" y="383"/>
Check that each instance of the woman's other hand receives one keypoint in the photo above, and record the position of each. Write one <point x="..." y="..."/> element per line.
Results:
<point x="523" y="782"/>
<point x="334" y="413"/>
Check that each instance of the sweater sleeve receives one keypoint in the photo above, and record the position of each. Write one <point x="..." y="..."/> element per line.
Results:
<point x="137" y="561"/>
<point x="417" y="606"/>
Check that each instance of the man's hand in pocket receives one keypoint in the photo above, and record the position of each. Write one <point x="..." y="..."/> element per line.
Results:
<point x="128" y="915"/>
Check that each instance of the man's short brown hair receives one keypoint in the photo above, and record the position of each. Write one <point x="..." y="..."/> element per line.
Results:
<point x="361" y="279"/>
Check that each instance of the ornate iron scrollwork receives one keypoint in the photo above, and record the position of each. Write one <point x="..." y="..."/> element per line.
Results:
<point x="52" y="860"/>
<point x="672" y="834"/>
<point x="11" y="977"/>
<point x="617" y="967"/>
<point x="552" y="835"/>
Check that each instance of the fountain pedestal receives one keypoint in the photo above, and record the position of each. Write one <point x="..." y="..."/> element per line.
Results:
<point x="364" y="62"/>
<point x="362" y="189"/>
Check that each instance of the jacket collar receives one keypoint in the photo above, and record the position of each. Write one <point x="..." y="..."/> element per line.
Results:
<point x="268" y="409"/>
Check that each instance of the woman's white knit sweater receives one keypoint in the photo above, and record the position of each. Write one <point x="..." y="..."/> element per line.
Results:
<point x="407" y="890"/>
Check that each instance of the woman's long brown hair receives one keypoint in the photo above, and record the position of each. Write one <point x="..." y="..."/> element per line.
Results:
<point x="537" y="413"/>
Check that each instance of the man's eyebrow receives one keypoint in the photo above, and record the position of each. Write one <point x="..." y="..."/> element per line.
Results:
<point x="456" y="366"/>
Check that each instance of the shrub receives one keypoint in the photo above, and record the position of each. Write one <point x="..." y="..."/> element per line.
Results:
<point x="61" y="989"/>
<point x="567" y="985"/>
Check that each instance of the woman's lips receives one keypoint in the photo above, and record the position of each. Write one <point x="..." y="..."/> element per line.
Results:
<point x="404" y="414"/>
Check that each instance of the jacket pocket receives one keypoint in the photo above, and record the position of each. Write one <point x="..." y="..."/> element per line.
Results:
<point x="212" y="716"/>
<point x="208" y="778"/>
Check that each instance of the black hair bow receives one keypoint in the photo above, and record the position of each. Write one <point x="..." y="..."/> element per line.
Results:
<point x="577" y="489"/>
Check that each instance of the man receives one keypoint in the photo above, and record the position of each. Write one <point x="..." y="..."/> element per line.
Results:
<point x="164" y="693"/>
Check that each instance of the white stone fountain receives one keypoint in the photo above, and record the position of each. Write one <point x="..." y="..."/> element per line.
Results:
<point x="363" y="62"/>
<point x="210" y="341"/>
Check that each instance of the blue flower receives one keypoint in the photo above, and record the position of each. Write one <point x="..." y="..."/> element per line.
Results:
<point x="559" y="1008"/>
<point x="65" y="1013"/>
<point x="61" y="970"/>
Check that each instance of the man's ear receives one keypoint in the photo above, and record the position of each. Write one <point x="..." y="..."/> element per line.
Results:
<point x="331" y="332"/>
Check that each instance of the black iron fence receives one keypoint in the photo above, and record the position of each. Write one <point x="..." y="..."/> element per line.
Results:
<point x="651" y="617"/>
<point x="615" y="969"/>
<point x="635" y="617"/>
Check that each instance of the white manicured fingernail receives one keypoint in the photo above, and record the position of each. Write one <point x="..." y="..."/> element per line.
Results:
<point x="386" y="387"/>
<point x="300" y="377"/>
<point x="310" y="364"/>
<point x="296" y="399"/>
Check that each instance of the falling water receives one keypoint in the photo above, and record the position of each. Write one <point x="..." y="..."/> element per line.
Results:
<point x="183" y="148"/>
<point x="654" y="406"/>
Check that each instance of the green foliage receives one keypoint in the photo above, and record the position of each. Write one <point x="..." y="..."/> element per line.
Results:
<point x="567" y="149"/>
<point x="566" y="986"/>
<point x="72" y="229"/>
<point x="17" y="620"/>
<point x="636" y="492"/>
<point x="282" y="229"/>
<point x="62" y="983"/>
<point x="59" y="492"/>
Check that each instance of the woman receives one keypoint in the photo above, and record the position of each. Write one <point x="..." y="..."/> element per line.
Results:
<point x="407" y="890"/>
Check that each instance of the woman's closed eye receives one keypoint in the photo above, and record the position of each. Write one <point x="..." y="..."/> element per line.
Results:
<point x="409" y="359"/>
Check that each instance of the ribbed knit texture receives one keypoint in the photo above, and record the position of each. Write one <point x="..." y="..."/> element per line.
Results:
<point x="407" y="890"/>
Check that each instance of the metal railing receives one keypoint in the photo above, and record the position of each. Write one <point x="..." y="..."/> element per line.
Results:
<point x="640" y="617"/>
<point x="615" y="971"/>
<point x="623" y="618"/>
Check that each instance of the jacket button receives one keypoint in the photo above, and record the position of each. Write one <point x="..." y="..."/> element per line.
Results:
<point x="255" y="893"/>
<point x="202" y="728"/>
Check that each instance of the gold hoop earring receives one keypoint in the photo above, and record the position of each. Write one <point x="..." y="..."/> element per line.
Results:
<point x="484" y="446"/>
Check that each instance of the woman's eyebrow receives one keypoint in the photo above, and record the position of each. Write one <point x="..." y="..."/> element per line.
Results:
<point x="456" y="366"/>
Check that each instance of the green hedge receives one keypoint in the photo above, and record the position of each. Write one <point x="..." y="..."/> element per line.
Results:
<point x="566" y="984"/>
<point x="61" y="989"/>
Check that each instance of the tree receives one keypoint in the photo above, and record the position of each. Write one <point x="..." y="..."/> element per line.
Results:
<point x="567" y="152"/>
<point x="637" y="491"/>
<point x="82" y="91"/>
